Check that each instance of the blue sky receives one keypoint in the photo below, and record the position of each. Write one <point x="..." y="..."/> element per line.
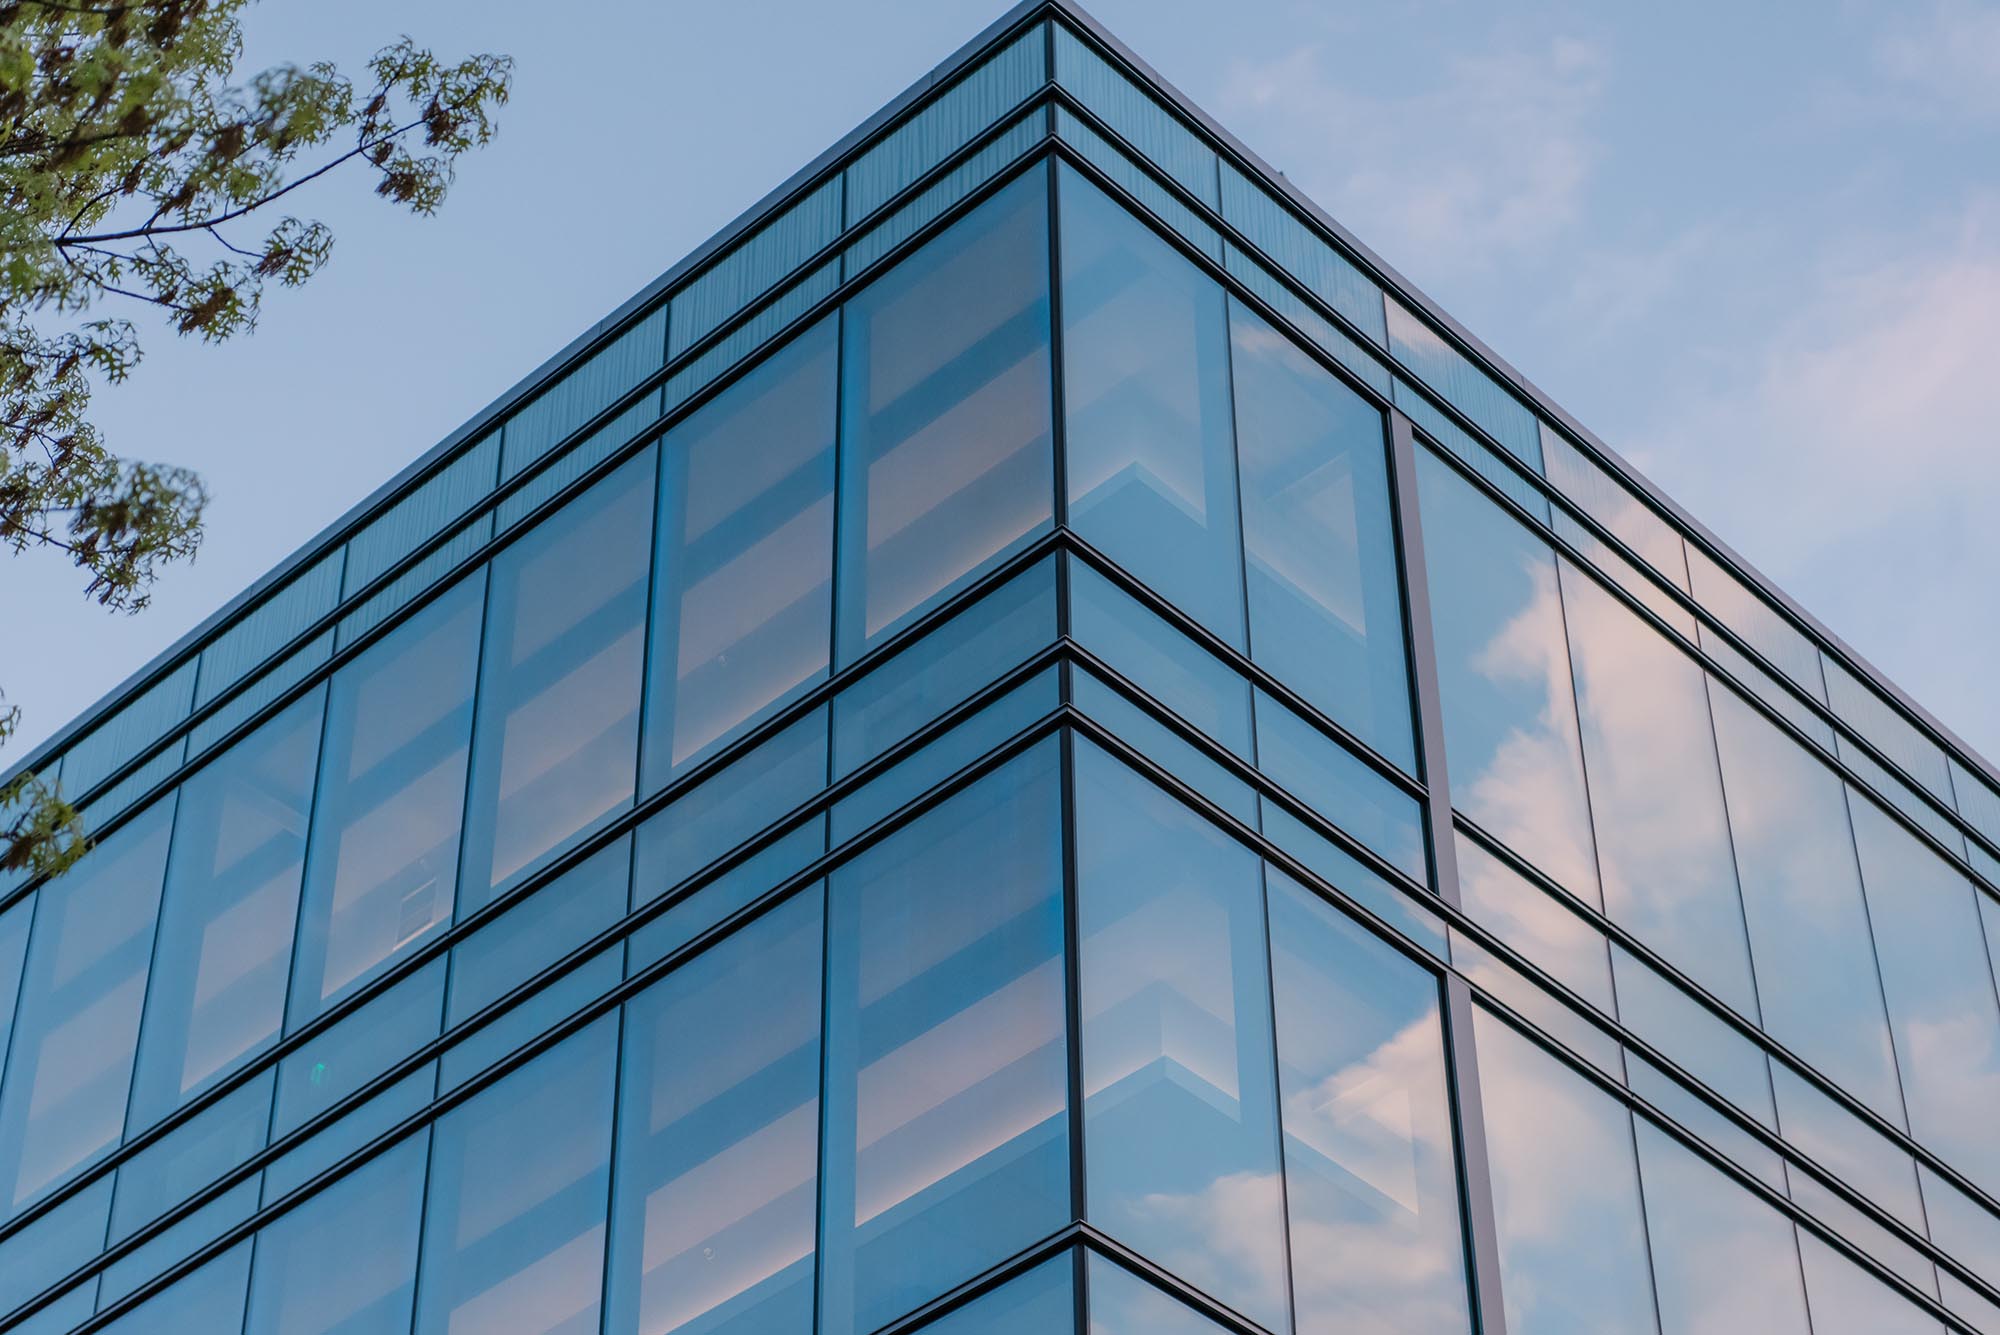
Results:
<point x="1754" y="247"/>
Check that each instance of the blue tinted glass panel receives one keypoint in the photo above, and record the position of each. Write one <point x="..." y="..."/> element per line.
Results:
<point x="961" y="112"/>
<point x="1655" y="793"/>
<point x="585" y="390"/>
<point x="1164" y="747"/>
<point x="1847" y="1300"/>
<point x="1882" y="724"/>
<point x="924" y="680"/>
<point x="1722" y="1259"/>
<point x="1688" y="1033"/>
<point x="1326" y="610"/>
<point x="1732" y="603"/>
<point x="1135" y="117"/>
<point x="946" y="191"/>
<point x="137" y="724"/>
<point x="743" y="583"/>
<point x="1939" y="986"/>
<point x="366" y="1124"/>
<point x="78" y="1024"/>
<point x="538" y="931"/>
<point x="13" y="958"/>
<point x="210" y="1299"/>
<point x="1967" y="1230"/>
<point x="1123" y="1304"/>
<point x="359" y="1047"/>
<point x="946" y="462"/>
<point x="384" y="854"/>
<point x="346" y="1260"/>
<point x="1370" y="1171"/>
<point x="1299" y="251"/>
<point x="1463" y="385"/>
<point x="716" y="900"/>
<point x="1510" y="725"/>
<point x="1435" y="423"/>
<point x="53" y="1245"/>
<point x="178" y="1241"/>
<point x="966" y="742"/>
<point x="1611" y="503"/>
<point x="1294" y="311"/>
<point x="754" y="265"/>
<point x="1155" y="198"/>
<point x="1538" y="924"/>
<point x="1561" y="1019"/>
<point x="192" y="1155"/>
<point x="1565" y="1193"/>
<point x="525" y="1020"/>
<point x="1152" y="468"/>
<point x="1338" y="785"/>
<point x="1809" y="934"/>
<point x="1839" y="1141"/>
<point x="1348" y="874"/>
<point x="750" y="793"/>
<point x="1043" y="1299"/>
<point x="514" y="1220"/>
<point x="217" y="994"/>
<point x="1155" y="657"/>
<point x="1180" y="1097"/>
<point x="718" y="1145"/>
<point x="1679" y="1102"/>
<point x="249" y="643"/>
<point x="559" y="681"/>
<point x="945" y="1123"/>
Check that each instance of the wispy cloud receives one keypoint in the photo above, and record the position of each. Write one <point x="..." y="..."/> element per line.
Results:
<point x="1489" y="160"/>
<point x="1857" y="458"/>
<point x="1945" y="57"/>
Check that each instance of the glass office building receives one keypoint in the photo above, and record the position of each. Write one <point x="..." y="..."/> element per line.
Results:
<point x="1028" y="741"/>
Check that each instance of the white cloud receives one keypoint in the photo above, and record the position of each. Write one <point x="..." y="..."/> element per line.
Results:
<point x="1490" y="160"/>
<point x="1856" y="459"/>
<point x="1945" y="56"/>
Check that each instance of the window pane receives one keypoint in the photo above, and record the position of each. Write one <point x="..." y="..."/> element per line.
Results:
<point x="1696" y="1038"/>
<point x="1723" y="1259"/>
<point x="210" y="1299"/>
<point x="1655" y="793"/>
<point x="359" y="1047"/>
<point x="1565" y="1193"/>
<point x="559" y="680"/>
<point x="923" y="680"/>
<point x="1847" y="1300"/>
<point x="1180" y="1098"/>
<point x="53" y="1244"/>
<point x="13" y="956"/>
<point x="945" y="1142"/>
<point x="1326" y="609"/>
<point x="718" y="1138"/>
<point x="346" y="1260"/>
<point x="1155" y="657"/>
<point x="1123" y="1304"/>
<point x="225" y="951"/>
<point x="1535" y="922"/>
<point x="1503" y="671"/>
<point x="1152" y="471"/>
<point x="742" y="601"/>
<point x="946" y="460"/>
<point x="1940" y="991"/>
<point x="514" y="1224"/>
<point x="1337" y="784"/>
<point x="192" y="1155"/>
<point x="1042" y="1301"/>
<point x="1816" y="976"/>
<point x="1370" y="1172"/>
<point x="78" y="1025"/>
<point x="392" y="788"/>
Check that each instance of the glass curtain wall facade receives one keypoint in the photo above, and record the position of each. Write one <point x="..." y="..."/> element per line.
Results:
<point x="1027" y="743"/>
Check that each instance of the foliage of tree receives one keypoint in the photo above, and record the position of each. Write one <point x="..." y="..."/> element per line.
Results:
<point x="140" y="174"/>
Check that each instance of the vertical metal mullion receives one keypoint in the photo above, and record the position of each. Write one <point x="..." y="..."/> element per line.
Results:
<point x="1482" y="1232"/>
<point x="1423" y="655"/>
<point x="1058" y="409"/>
<point x="611" y="1193"/>
<point x="1072" y="978"/>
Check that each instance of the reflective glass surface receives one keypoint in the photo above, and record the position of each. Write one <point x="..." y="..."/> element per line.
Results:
<point x="1510" y="727"/>
<point x="946" y="1077"/>
<point x="743" y="578"/>
<point x="1326" y="611"/>
<point x="1370" y="1172"/>
<point x="559" y="681"/>
<point x="1655" y="793"/>
<point x="1816" y="974"/>
<point x="515" y="1209"/>
<point x="209" y="1299"/>
<point x="946" y="457"/>
<point x="217" y="993"/>
<point x="345" y="1261"/>
<point x="1939" y="985"/>
<point x="1847" y="1300"/>
<point x="1340" y="787"/>
<point x="712" y="1226"/>
<point x="1722" y="1259"/>
<point x="1123" y="1304"/>
<point x="1151" y="460"/>
<point x="1565" y="1193"/>
<point x="77" y="1025"/>
<point x="1536" y="923"/>
<point x="1041" y="1300"/>
<point x="384" y="851"/>
<point x="1180" y="1097"/>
